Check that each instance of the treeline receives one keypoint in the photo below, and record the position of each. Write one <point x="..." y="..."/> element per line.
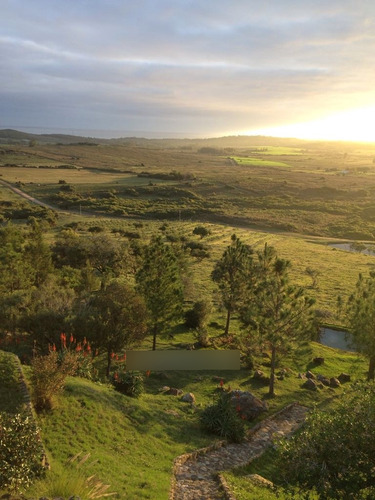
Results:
<point x="112" y="294"/>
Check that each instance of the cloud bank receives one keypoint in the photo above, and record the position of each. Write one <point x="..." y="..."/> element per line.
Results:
<point x="186" y="67"/>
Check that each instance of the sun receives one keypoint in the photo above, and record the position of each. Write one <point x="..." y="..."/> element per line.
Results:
<point x="352" y="125"/>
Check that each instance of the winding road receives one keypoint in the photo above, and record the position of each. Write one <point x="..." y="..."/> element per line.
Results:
<point x="27" y="196"/>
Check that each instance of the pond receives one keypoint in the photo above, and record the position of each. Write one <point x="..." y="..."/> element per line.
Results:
<point x="336" y="339"/>
<point x="353" y="247"/>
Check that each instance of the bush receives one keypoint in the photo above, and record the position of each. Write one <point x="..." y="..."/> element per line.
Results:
<point x="48" y="377"/>
<point x="201" y="231"/>
<point x="221" y="419"/>
<point x="20" y="451"/>
<point x="129" y="383"/>
<point x="196" y="317"/>
<point x="335" y="451"/>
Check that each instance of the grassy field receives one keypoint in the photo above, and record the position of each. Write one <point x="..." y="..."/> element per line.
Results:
<point x="327" y="189"/>
<point x="256" y="162"/>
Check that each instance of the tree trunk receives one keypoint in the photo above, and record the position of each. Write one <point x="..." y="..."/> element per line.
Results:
<point x="226" y="332"/>
<point x="371" y="369"/>
<point x="271" y="391"/>
<point x="155" y="331"/>
<point x="109" y="361"/>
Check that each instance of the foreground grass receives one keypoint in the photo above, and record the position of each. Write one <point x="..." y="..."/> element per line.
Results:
<point x="133" y="442"/>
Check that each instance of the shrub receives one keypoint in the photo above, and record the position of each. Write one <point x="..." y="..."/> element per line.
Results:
<point x="201" y="231"/>
<point x="221" y="419"/>
<point x="196" y="317"/>
<point x="20" y="451"/>
<point x="129" y="383"/>
<point x="48" y="377"/>
<point x="335" y="451"/>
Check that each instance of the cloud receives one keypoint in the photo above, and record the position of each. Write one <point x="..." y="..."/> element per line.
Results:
<point x="183" y="64"/>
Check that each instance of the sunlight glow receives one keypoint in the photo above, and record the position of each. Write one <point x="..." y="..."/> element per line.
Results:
<point x="353" y="125"/>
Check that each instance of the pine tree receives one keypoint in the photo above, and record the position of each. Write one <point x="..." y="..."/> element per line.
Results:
<point x="159" y="282"/>
<point x="231" y="273"/>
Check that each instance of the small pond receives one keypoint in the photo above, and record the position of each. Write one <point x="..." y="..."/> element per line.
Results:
<point x="336" y="339"/>
<point x="351" y="247"/>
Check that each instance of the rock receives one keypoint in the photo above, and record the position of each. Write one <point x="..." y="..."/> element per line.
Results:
<point x="165" y="388"/>
<point x="188" y="398"/>
<point x="281" y="374"/>
<point x="310" y="384"/>
<point x="318" y="361"/>
<point x="258" y="374"/>
<point x="324" y="380"/>
<point x="174" y="392"/>
<point x="334" y="382"/>
<point x="247" y="404"/>
<point x="344" y="377"/>
<point x="256" y="478"/>
<point x="310" y="375"/>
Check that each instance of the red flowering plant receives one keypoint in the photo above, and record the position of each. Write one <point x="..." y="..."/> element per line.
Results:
<point x="128" y="382"/>
<point x="83" y="353"/>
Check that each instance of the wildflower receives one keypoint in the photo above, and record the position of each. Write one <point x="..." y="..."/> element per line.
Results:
<point x="53" y="348"/>
<point x="116" y="357"/>
<point x="115" y="376"/>
<point x="88" y="348"/>
<point x="71" y="338"/>
<point x="243" y="417"/>
<point x="63" y="340"/>
<point x="79" y="347"/>
<point x="124" y="357"/>
<point x="221" y="383"/>
<point x="112" y="354"/>
<point x="96" y="352"/>
<point x="148" y="373"/>
<point x="238" y="408"/>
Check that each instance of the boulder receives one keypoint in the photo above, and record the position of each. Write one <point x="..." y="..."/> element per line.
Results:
<point x="344" y="377"/>
<point x="281" y="374"/>
<point x="324" y="380"/>
<point x="260" y="480"/>
<point x="334" y="382"/>
<point x="310" y="384"/>
<point x="174" y="392"/>
<point x="247" y="404"/>
<point x="259" y="375"/>
<point x="188" y="398"/>
<point x="318" y="361"/>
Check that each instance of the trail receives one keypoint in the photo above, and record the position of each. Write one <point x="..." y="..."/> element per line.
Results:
<point x="196" y="474"/>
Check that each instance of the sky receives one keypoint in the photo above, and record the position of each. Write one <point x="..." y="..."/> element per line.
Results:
<point x="187" y="68"/>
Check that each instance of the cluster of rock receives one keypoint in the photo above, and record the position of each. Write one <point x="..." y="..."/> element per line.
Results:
<point x="315" y="382"/>
<point x="245" y="403"/>
<point x="172" y="391"/>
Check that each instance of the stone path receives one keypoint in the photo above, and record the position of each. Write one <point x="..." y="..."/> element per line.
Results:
<point x="195" y="474"/>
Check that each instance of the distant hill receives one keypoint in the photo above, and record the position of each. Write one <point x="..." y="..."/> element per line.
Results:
<point x="10" y="136"/>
